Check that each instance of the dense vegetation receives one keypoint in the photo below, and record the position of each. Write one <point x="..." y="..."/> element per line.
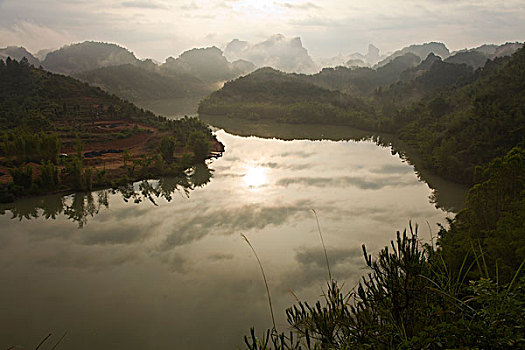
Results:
<point x="468" y="292"/>
<point x="49" y="121"/>
<point x="270" y="94"/>
<point x="364" y="81"/>
<point x="494" y="218"/>
<point x="136" y="83"/>
<point x="469" y="125"/>
<point x="35" y="99"/>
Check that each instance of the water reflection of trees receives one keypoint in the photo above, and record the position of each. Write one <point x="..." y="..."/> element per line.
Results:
<point x="445" y="194"/>
<point x="80" y="206"/>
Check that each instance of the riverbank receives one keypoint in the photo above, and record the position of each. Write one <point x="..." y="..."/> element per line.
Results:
<point x="110" y="153"/>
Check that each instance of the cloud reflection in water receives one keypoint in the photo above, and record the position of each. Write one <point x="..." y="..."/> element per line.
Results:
<point x="166" y="256"/>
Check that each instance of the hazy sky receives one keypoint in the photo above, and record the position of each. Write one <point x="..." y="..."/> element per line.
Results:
<point x="161" y="28"/>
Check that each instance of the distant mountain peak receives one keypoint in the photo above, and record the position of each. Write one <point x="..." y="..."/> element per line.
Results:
<point x="278" y="51"/>
<point x="432" y="57"/>
<point x="372" y="56"/>
<point x="208" y="64"/>
<point x="478" y="56"/>
<point x="420" y="50"/>
<point x="277" y="37"/>
<point x="18" y="53"/>
<point x="88" y="55"/>
<point x="296" y="42"/>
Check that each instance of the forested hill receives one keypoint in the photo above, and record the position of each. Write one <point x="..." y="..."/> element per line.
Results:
<point x="35" y="99"/>
<point x="194" y="74"/>
<point x="270" y="94"/>
<point x="59" y="134"/>
<point x="456" y="117"/>
<point x="341" y="96"/>
<point x="364" y="81"/>
<point x="135" y="83"/>
<point x="457" y="129"/>
<point x="87" y="56"/>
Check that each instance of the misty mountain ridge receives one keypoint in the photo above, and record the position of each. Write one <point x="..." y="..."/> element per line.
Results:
<point x="420" y="50"/>
<point x="369" y="59"/>
<point x="194" y="74"/>
<point x="493" y="50"/>
<point x="86" y="56"/>
<point x="362" y="81"/>
<point x="477" y="56"/>
<point x="18" y="53"/>
<point x="208" y="64"/>
<point x="292" y="97"/>
<point x="279" y="52"/>
<point x="241" y="57"/>
<point x="403" y="80"/>
<point x="197" y="72"/>
<point x="41" y="54"/>
<point x="355" y="59"/>
<point x="136" y="83"/>
<point x="474" y="57"/>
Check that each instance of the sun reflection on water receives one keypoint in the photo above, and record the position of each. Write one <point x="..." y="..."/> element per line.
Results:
<point x="255" y="176"/>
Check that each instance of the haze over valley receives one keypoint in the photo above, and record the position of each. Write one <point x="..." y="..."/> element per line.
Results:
<point x="176" y="85"/>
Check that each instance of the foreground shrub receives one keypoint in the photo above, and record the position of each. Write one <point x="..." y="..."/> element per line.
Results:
<point x="409" y="300"/>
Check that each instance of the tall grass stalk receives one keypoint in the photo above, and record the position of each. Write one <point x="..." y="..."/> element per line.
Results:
<point x="43" y="341"/>
<point x="59" y="341"/>
<point x="264" y="278"/>
<point x="482" y="265"/>
<point x="514" y="277"/>
<point x="324" y="247"/>
<point x="431" y="235"/>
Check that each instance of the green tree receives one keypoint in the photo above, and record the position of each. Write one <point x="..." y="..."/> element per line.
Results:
<point x="49" y="176"/>
<point x="166" y="148"/>
<point x="79" y="147"/>
<point x="49" y="147"/>
<point x="199" y="145"/>
<point x="22" y="176"/>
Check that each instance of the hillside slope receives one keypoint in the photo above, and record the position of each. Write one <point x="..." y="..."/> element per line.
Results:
<point x="137" y="84"/>
<point x="470" y="125"/>
<point x="86" y="56"/>
<point x="18" y="53"/>
<point x="272" y="95"/>
<point x="60" y="134"/>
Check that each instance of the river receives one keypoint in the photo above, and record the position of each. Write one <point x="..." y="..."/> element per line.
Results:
<point x="161" y="264"/>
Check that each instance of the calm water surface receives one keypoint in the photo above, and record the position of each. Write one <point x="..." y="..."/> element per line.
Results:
<point x="165" y="266"/>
